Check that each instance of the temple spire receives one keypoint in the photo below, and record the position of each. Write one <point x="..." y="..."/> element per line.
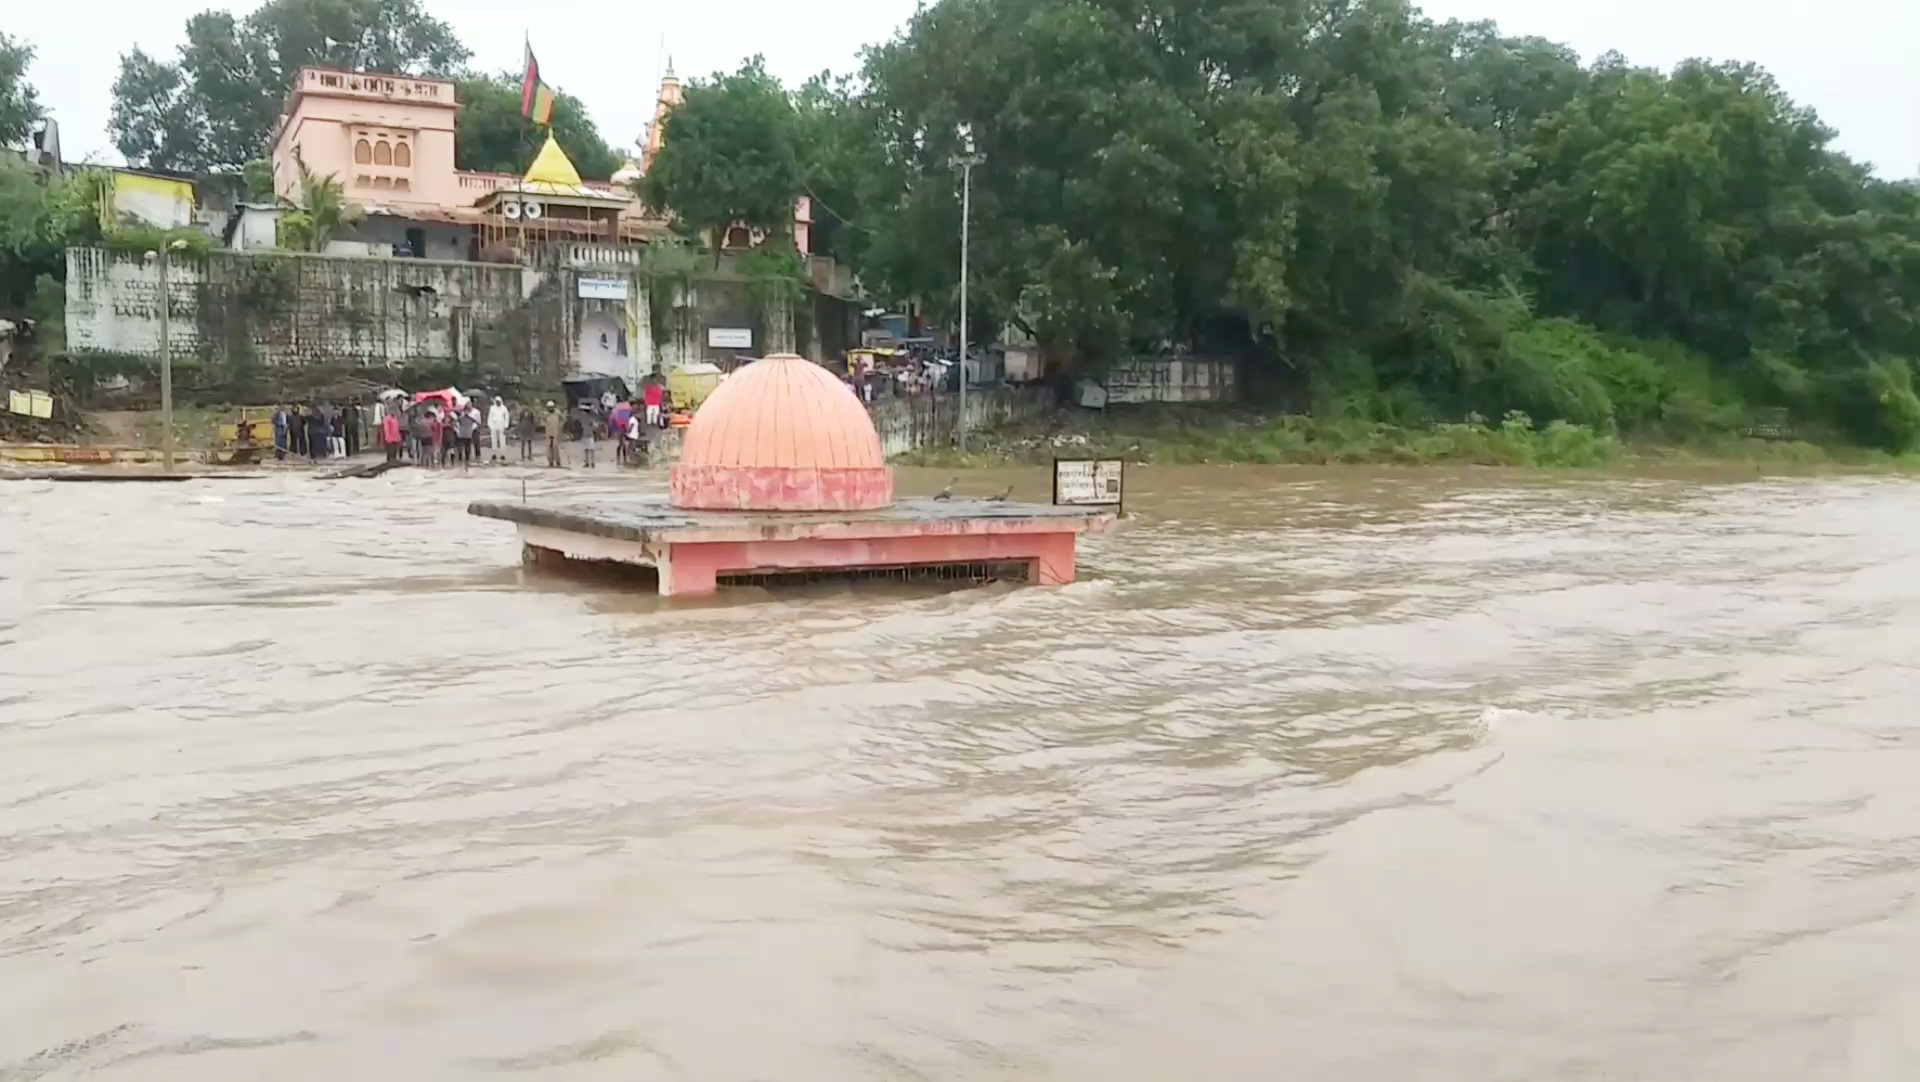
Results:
<point x="552" y="166"/>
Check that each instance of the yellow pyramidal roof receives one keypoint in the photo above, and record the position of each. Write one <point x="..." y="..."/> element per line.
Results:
<point x="552" y="167"/>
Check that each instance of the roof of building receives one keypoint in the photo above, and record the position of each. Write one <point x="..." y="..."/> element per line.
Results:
<point x="553" y="176"/>
<point x="782" y="434"/>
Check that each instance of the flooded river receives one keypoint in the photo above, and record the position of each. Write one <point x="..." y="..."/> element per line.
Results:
<point x="1314" y="775"/>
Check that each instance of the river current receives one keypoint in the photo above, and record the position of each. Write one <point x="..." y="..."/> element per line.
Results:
<point x="1347" y="775"/>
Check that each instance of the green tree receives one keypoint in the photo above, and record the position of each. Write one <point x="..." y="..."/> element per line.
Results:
<point x="19" y="105"/>
<point x="41" y="214"/>
<point x="728" y="156"/>
<point x="1398" y="216"/>
<point x="214" y="108"/>
<point x="494" y="137"/>
<point x="154" y="121"/>
<point x="321" y="211"/>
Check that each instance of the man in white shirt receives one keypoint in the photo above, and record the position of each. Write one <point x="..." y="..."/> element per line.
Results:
<point x="499" y="419"/>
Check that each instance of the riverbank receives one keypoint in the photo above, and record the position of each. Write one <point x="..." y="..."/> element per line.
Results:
<point x="1198" y="436"/>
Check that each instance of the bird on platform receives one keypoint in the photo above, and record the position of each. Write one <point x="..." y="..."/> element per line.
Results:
<point x="1003" y="497"/>
<point x="947" y="492"/>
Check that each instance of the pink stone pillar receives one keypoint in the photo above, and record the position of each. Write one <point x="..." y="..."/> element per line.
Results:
<point x="1053" y="562"/>
<point x="688" y="571"/>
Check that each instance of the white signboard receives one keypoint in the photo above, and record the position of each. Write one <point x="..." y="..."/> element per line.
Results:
<point x="603" y="289"/>
<point x="1088" y="482"/>
<point x="730" y="337"/>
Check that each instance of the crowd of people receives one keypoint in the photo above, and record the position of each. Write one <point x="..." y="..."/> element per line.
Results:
<point x="318" y="431"/>
<point x="444" y="429"/>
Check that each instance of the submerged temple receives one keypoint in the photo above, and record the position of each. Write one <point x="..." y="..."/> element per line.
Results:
<point x="781" y="476"/>
<point x="782" y="434"/>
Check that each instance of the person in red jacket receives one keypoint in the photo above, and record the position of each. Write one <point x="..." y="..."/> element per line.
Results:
<point x="390" y="434"/>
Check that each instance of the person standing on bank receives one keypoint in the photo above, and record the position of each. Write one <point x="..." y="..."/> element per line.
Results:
<point x="317" y="434"/>
<point x="390" y="435"/>
<point x="555" y="425"/>
<point x="279" y="433"/>
<point x="498" y="420"/>
<point x="653" y="394"/>
<point x="465" y="425"/>
<point x="423" y="438"/>
<point x="529" y="428"/>
<point x="631" y="441"/>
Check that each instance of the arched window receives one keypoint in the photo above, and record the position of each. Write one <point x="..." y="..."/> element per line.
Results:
<point x="382" y="153"/>
<point x="403" y="155"/>
<point x="363" y="152"/>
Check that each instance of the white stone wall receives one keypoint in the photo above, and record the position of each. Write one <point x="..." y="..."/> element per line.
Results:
<point x="915" y="421"/>
<point x="1169" y="379"/>
<point x="287" y="310"/>
<point x="113" y="303"/>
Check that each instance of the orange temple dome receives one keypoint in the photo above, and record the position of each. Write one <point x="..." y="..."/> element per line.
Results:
<point x="781" y="434"/>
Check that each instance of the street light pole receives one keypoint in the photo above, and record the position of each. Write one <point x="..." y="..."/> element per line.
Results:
<point x="166" y="366"/>
<point x="966" y="163"/>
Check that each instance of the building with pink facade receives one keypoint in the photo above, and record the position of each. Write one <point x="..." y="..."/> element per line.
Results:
<point x="391" y="141"/>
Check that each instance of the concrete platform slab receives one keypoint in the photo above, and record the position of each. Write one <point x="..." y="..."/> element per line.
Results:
<point x="692" y="551"/>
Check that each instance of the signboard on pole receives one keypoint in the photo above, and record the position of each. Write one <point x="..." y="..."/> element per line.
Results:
<point x="730" y="337"/>
<point x="1090" y="482"/>
<point x="603" y="289"/>
<point x="18" y="402"/>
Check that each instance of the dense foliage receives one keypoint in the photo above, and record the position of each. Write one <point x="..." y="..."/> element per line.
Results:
<point x="1395" y="219"/>
<point x="19" y="104"/>
<point x="214" y="108"/>
<point x="494" y="137"/>
<point x="729" y="156"/>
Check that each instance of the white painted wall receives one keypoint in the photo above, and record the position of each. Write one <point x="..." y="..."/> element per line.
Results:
<point x="335" y="311"/>
<point x="258" y="229"/>
<point x="599" y="353"/>
<point x="1169" y="379"/>
<point x="113" y="303"/>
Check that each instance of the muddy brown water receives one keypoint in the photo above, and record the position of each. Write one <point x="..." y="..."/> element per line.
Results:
<point x="1313" y="775"/>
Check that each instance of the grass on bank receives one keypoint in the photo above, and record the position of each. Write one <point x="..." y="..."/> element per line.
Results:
<point x="1191" y="436"/>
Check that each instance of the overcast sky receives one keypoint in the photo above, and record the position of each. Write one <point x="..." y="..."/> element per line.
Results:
<point x="1853" y="60"/>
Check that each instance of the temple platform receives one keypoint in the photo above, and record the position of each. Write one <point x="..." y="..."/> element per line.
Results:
<point x="696" y="552"/>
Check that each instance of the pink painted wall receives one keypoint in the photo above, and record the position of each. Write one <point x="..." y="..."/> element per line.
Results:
<point x="694" y="569"/>
<point x="330" y="112"/>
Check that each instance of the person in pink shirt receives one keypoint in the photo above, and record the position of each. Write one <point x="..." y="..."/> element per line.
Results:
<point x="651" y="395"/>
<point x="390" y="434"/>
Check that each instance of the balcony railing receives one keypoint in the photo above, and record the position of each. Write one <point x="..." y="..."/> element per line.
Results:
<point x="484" y="182"/>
